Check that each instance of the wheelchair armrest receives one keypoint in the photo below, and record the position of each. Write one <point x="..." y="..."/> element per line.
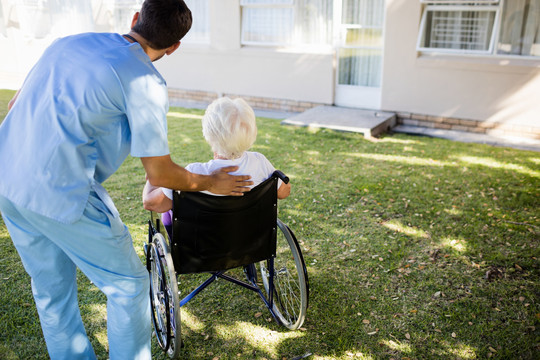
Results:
<point x="281" y="175"/>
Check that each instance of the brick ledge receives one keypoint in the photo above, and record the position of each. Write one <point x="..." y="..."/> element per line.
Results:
<point x="466" y="125"/>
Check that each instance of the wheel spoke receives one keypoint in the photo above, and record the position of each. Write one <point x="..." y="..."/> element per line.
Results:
<point x="290" y="284"/>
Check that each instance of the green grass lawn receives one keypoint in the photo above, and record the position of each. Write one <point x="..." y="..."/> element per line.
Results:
<point x="416" y="248"/>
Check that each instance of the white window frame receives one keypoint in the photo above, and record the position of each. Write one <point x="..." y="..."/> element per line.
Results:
<point x="283" y="4"/>
<point x="434" y="6"/>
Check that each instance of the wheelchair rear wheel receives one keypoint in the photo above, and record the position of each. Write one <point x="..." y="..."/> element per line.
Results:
<point x="164" y="296"/>
<point x="290" y="295"/>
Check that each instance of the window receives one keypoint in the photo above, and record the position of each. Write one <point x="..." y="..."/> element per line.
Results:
<point x="2" y="22"/>
<point x="40" y="19"/>
<point x="520" y="28"/>
<point x="286" y="22"/>
<point x="360" y="52"/>
<point x="200" y="30"/>
<point x="268" y="22"/>
<point x="489" y="27"/>
<point x="122" y="13"/>
<point x="460" y="1"/>
<point x="466" y="29"/>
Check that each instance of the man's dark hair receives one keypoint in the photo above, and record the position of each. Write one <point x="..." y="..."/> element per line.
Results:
<point x="163" y="22"/>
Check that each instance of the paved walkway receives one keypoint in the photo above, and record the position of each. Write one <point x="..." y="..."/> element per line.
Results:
<point x="505" y="141"/>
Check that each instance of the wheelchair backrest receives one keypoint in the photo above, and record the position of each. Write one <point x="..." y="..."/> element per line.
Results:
<point x="213" y="233"/>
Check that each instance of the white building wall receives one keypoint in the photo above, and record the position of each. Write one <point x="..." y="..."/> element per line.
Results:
<point x="224" y="66"/>
<point x="252" y="71"/>
<point x="489" y="89"/>
<point x="482" y="89"/>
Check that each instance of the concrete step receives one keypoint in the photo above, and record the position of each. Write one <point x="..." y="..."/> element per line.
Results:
<point x="368" y="122"/>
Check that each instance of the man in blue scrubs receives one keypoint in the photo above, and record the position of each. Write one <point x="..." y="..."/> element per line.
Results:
<point x="91" y="100"/>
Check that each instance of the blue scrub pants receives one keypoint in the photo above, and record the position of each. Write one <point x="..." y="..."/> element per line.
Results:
<point x="101" y="246"/>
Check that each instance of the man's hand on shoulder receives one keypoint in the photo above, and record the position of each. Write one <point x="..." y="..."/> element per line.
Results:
<point x="225" y="184"/>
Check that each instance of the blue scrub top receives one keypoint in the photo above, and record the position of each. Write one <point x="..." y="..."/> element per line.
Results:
<point x="89" y="101"/>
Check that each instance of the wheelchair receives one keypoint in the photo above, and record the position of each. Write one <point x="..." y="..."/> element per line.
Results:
<point x="214" y="234"/>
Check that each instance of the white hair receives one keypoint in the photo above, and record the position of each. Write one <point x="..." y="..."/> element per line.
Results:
<point x="229" y="127"/>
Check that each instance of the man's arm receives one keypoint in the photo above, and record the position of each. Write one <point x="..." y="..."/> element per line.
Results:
<point x="163" y="172"/>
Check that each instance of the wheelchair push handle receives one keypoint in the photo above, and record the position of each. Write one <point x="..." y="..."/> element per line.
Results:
<point x="281" y="175"/>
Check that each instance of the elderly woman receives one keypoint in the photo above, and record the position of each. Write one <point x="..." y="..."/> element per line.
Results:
<point x="229" y="128"/>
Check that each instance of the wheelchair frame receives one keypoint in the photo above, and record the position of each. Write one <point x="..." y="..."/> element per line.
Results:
<point x="165" y="299"/>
